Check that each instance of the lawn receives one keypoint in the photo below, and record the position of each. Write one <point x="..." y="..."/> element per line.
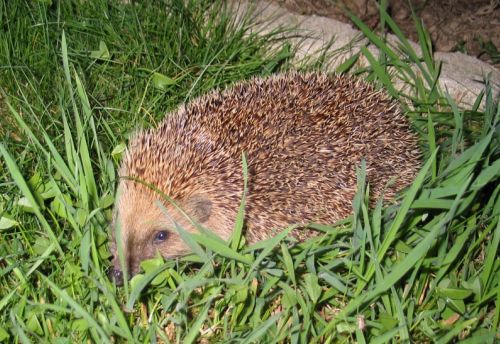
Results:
<point x="77" y="78"/>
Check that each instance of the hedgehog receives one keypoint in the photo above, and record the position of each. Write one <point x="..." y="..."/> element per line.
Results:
<point x="303" y="136"/>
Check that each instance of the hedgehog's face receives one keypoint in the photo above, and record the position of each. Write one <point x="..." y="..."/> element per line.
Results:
<point x="148" y="228"/>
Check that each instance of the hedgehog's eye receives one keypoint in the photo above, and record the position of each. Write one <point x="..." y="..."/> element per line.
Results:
<point x="160" y="236"/>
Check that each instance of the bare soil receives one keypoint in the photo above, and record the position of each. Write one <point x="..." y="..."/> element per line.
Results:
<point x="470" y="26"/>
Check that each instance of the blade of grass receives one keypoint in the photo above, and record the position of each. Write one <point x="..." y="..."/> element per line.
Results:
<point x="85" y="158"/>
<point x="491" y="256"/>
<point x="238" y="225"/>
<point x="398" y="220"/>
<point x="23" y="186"/>
<point x="380" y="72"/>
<point x="268" y="246"/>
<point x="143" y="283"/>
<point x="261" y="329"/>
<point x="431" y="139"/>
<point x="194" y="331"/>
<point x="54" y="154"/>
<point x="20" y="332"/>
<point x="401" y="268"/>
<point x="187" y="237"/>
<point x="79" y="310"/>
<point x="456" y="330"/>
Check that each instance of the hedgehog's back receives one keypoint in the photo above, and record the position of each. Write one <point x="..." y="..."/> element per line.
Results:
<point x="303" y="136"/>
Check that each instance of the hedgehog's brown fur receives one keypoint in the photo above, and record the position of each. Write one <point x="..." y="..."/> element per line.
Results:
<point x="303" y="136"/>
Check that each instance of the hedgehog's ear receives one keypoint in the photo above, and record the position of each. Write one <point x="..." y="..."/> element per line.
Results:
<point x="199" y="207"/>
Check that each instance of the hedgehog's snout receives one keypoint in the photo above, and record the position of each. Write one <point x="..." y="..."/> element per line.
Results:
<point x="114" y="272"/>
<point x="116" y="275"/>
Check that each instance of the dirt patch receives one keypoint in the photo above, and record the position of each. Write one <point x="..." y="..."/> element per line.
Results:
<point x="469" y="26"/>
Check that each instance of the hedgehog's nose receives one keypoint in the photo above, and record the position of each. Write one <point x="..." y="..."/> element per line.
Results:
<point x="116" y="275"/>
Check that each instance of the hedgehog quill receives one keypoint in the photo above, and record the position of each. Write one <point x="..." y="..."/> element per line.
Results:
<point x="303" y="136"/>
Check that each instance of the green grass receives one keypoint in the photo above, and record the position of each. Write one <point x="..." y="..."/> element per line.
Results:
<point x="80" y="76"/>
